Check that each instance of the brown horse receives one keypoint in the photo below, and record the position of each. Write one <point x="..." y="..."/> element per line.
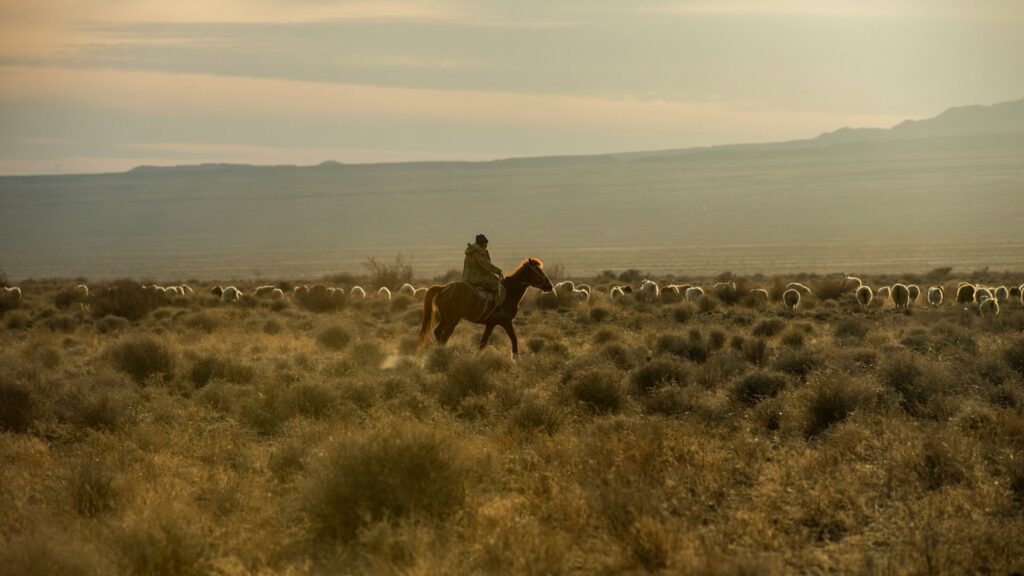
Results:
<point x="459" y="301"/>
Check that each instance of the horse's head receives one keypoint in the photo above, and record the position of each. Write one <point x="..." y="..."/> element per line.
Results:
<point x="531" y="272"/>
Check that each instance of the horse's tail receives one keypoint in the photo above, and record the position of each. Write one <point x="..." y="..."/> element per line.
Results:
<point x="428" y="316"/>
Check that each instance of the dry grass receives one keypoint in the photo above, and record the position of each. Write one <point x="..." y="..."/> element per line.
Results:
<point x="188" y="436"/>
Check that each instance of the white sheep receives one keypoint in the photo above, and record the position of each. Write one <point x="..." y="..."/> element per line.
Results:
<point x="649" y="290"/>
<point x="585" y="287"/>
<point x="989" y="307"/>
<point x="407" y="289"/>
<point x="725" y="286"/>
<point x="264" y="290"/>
<point x="852" y="283"/>
<point x="384" y="293"/>
<point x="12" y="295"/>
<point x="882" y="295"/>
<point x="915" y="292"/>
<point x="217" y="291"/>
<point x="798" y="286"/>
<point x="231" y="294"/>
<point x="864" y="296"/>
<point x="564" y="287"/>
<point x="337" y="295"/>
<point x="791" y="298"/>
<point x="171" y="291"/>
<point x="760" y="296"/>
<point x="1015" y="292"/>
<point x="616" y="293"/>
<point x="357" y="292"/>
<point x="581" y="295"/>
<point x="965" y="293"/>
<point x="694" y="292"/>
<point x="188" y="289"/>
<point x="421" y="292"/>
<point x="900" y="295"/>
<point x="300" y="291"/>
<point x="983" y="294"/>
<point x="935" y="295"/>
<point x="1002" y="294"/>
<point x="277" y="294"/>
<point x="81" y="292"/>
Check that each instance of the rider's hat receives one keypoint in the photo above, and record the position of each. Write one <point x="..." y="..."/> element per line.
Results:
<point x="481" y="239"/>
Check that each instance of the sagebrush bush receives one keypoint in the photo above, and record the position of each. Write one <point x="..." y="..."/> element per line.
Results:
<point x="599" y="314"/>
<point x="659" y="372"/>
<point x="164" y="544"/>
<point x="334" y="338"/>
<point x="755" y="351"/>
<point x="668" y="401"/>
<point x="210" y="366"/>
<point x="124" y="298"/>
<point x="799" y="362"/>
<point x="683" y="313"/>
<point x="757" y="386"/>
<point x="17" y="320"/>
<point x="109" y="324"/>
<point x="204" y="322"/>
<point x="692" y="347"/>
<point x="92" y="487"/>
<point x="831" y="402"/>
<point x="401" y="472"/>
<point x="311" y="399"/>
<point x="622" y="357"/>
<point x="142" y="357"/>
<point x="913" y="383"/>
<point x="792" y="337"/>
<point x="468" y="377"/>
<point x="768" y="327"/>
<point x="917" y="340"/>
<point x="600" y="389"/>
<point x="368" y="354"/>
<point x="535" y="414"/>
<point x="17" y="406"/>
<point x="1014" y="356"/>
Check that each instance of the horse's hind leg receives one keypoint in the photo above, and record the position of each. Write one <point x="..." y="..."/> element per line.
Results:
<point x="449" y="328"/>
<point x="439" y="330"/>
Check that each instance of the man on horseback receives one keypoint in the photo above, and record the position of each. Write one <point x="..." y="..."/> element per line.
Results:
<point x="478" y="272"/>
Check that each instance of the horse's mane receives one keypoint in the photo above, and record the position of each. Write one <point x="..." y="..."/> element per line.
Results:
<point x="528" y="262"/>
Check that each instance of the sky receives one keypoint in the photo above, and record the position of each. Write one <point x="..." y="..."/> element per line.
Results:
<point x="106" y="85"/>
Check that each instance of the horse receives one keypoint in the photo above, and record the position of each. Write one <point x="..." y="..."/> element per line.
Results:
<point x="459" y="301"/>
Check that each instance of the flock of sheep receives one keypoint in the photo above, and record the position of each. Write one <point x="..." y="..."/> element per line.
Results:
<point x="986" y="299"/>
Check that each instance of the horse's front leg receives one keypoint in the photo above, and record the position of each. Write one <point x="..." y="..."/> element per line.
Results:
<point x="488" y="328"/>
<point x="512" y="337"/>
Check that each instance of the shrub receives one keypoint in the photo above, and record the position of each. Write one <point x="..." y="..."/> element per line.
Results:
<point x="1014" y="356"/>
<point x="17" y="407"/>
<point x="142" y="357"/>
<point x="368" y="354"/>
<point x="599" y="314"/>
<point x="405" y="472"/>
<point x="907" y="376"/>
<point x="917" y="340"/>
<point x="792" y="337"/>
<point x="109" y="324"/>
<point x="692" y="347"/>
<point x="600" y="389"/>
<point x="768" y="327"/>
<point x="831" y="289"/>
<point x="535" y="414"/>
<point x="467" y="377"/>
<point x="440" y="358"/>
<point x="683" y="313"/>
<point x="660" y="372"/>
<point x="334" y="338"/>
<point x="951" y="335"/>
<point x="668" y="401"/>
<point x="210" y="366"/>
<point x="310" y="399"/>
<point x="394" y="274"/>
<point x="757" y="386"/>
<point x="92" y="487"/>
<point x="716" y="339"/>
<point x="622" y="357"/>
<point x="830" y="403"/>
<point x="17" y="320"/>
<point x="272" y="327"/>
<point x="204" y="322"/>
<point x="163" y="545"/>
<point x="126" y="299"/>
<point x="707" y="304"/>
<point x="755" y="351"/>
<point x="798" y="362"/>
<point x="65" y="298"/>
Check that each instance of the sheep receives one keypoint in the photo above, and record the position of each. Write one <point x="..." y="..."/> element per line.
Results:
<point x="407" y="289"/>
<point x="300" y="292"/>
<point x="1002" y="294"/>
<point x="384" y="293"/>
<point x="581" y="295"/>
<point x="420" y="293"/>
<point x="864" y="296"/>
<point x="627" y="289"/>
<point x="798" y="286"/>
<point x="791" y="298"/>
<point x="337" y="294"/>
<point x="173" y="291"/>
<point x="616" y="293"/>
<point x="357" y="292"/>
<point x="694" y="292"/>
<point x="564" y="287"/>
<point x="1015" y="292"/>
<point x="277" y="294"/>
<point x="725" y="286"/>
<point x="264" y="290"/>
<point x="883" y="294"/>
<point x="982" y="294"/>
<point x="649" y="290"/>
<point x="215" y="290"/>
<point x="231" y="294"/>
<point x="585" y="287"/>
<point x="188" y="289"/>
<point x="11" y="296"/>
<point x="935" y="295"/>
<point x="852" y="283"/>
<point x="989" y="307"/>
<point x="759" y="296"/>
<point x="915" y="292"/>
<point x="965" y="293"/>
<point x="900" y="295"/>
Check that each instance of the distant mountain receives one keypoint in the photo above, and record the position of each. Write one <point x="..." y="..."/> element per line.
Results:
<point x="945" y="191"/>
<point x="962" y="121"/>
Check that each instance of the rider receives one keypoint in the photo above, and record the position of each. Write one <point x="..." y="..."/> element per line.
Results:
<point x="478" y="272"/>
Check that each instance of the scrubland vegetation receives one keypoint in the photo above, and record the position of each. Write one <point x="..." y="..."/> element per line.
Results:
<point x="190" y="436"/>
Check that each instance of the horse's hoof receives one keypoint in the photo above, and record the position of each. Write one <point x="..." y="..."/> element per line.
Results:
<point x="515" y="356"/>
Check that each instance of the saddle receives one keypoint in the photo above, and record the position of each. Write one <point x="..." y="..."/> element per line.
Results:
<point x="492" y="302"/>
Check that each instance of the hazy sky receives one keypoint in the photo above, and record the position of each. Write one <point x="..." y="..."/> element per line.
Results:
<point x="101" y="85"/>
